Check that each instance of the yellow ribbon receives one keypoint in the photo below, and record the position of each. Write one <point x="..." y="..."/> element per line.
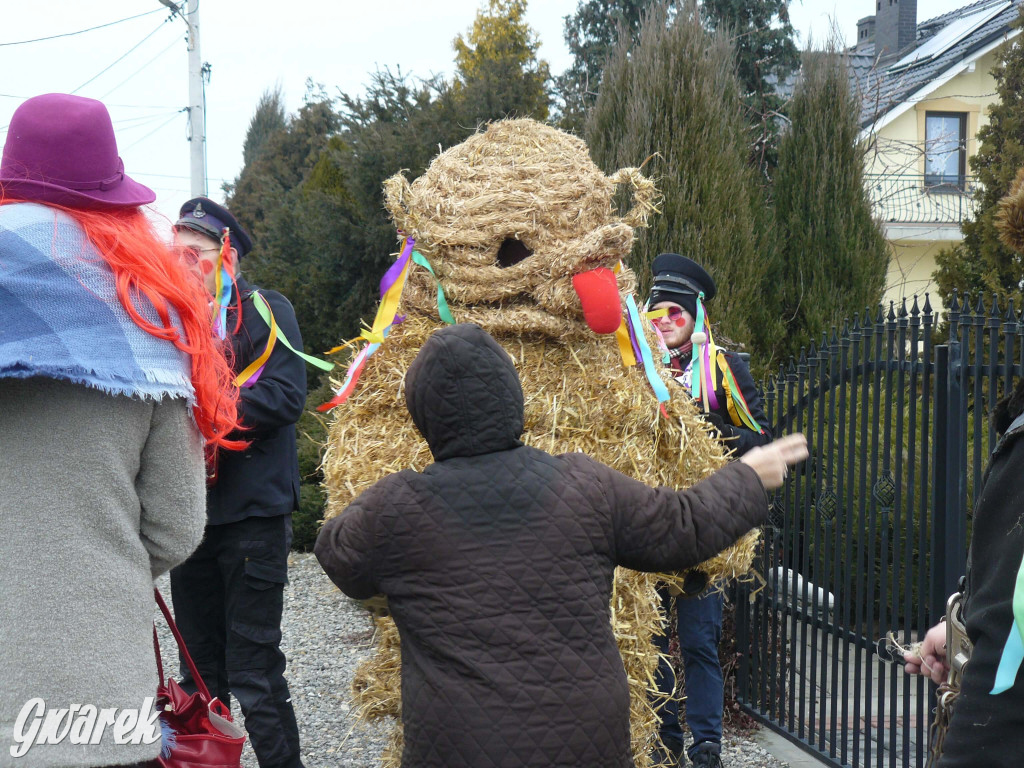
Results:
<point x="260" y="361"/>
<point x="625" y="346"/>
<point x="387" y="310"/>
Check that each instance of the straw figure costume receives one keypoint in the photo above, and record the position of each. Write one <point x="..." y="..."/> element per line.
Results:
<point x="515" y="230"/>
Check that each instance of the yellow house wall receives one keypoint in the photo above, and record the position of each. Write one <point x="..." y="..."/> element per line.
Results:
<point x="911" y="265"/>
<point x="898" y="148"/>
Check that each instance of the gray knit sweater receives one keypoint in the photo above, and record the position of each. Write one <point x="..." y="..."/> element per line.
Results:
<point x="98" y="495"/>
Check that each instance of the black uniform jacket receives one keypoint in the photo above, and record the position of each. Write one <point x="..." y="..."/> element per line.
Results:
<point x="737" y="437"/>
<point x="497" y="561"/>
<point x="262" y="480"/>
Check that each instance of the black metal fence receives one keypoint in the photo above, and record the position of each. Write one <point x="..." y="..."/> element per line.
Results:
<point x="870" y="534"/>
<point x="906" y="198"/>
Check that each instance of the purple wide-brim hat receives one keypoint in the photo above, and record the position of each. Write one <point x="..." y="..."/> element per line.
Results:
<point x="61" y="149"/>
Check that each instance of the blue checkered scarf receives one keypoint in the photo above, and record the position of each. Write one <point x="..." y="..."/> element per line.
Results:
<point x="60" y="316"/>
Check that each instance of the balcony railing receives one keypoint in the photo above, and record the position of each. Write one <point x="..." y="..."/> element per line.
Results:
<point x="902" y="198"/>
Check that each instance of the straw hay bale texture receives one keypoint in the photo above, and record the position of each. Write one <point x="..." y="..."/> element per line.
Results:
<point x="1010" y="215"/>
<point x="522" y="180"/>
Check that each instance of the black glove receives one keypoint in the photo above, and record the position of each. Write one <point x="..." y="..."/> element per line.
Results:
<point x="725" y="429"/>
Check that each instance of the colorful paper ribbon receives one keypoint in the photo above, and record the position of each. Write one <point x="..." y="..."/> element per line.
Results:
<point x="653" y="377"/>
<point x="739" y="411"/>
<point x="442" y="303"/>
<point x="622" y="336"/>
<point x="703" y="381"/>
<point x="222" y="289"/>
<point x="391" y="286"/>
<point x="625" y="344"/>
<point x="252" y="372"/>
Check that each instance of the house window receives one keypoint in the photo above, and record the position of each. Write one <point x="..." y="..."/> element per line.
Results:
<point x="945" y="149"/>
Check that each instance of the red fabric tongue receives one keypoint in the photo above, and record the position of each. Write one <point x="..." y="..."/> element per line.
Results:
<point x="599" y="295"/>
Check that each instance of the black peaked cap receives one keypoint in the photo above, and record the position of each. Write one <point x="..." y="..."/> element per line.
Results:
<point x="202" y="215"/>
<point x="680" y="279"/>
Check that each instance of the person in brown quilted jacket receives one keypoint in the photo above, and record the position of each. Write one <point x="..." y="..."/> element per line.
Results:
<point x="497" y="562"/>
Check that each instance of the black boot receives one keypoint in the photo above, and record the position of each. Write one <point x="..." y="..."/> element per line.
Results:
<point x="707" y="755"/>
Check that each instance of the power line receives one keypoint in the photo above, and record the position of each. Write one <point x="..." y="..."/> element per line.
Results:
<point x="81" y="31"/>
<point x="122" y="56"/>
<point x="138" y="122"/>
<point x="139" y="69"/>
<point x="123" y="106"/>
<point x="159" y="127"/>
<point x="172" y="176"/>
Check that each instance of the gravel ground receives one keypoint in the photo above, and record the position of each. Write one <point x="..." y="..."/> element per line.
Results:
<point x="326" y="635"/>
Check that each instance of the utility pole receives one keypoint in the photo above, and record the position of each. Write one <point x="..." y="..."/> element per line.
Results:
<point x="196" y="96"/>
<point x="196" y="103"/>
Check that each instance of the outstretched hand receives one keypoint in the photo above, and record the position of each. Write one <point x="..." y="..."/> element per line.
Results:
<point x="772" y="461"/>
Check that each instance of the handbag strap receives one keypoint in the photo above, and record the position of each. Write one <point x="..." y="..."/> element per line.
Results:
<point x="196" y="677"/>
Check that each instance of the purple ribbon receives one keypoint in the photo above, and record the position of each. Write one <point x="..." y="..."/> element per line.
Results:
<point x="254" y="378"/>
<point x="633" y="341"/>
<point x="707" y="385"/>
<point x="396" y="269"/>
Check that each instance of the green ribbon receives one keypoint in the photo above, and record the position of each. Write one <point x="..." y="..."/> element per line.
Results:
<point x="265" y="312"/>
<point x="442" y="303"/>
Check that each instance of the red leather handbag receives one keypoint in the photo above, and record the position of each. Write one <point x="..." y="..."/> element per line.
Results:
<point x="197" y="730"/>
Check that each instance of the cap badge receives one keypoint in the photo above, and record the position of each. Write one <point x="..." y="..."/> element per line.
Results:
<point x="198" y="212"/>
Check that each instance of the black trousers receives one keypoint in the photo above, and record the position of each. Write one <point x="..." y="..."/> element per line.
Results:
<point x="228" y="599"/>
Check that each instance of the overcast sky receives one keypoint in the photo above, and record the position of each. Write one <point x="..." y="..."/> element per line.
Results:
<point x="139" y="67"/>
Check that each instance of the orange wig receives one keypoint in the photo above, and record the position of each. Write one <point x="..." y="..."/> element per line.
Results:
<point x="143" y="266"/>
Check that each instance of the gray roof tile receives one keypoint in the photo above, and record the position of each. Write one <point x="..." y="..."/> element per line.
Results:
<point x="882" y="88"/>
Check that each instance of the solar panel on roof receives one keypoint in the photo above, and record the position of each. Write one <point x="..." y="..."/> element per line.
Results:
<point x="950" y="35"/>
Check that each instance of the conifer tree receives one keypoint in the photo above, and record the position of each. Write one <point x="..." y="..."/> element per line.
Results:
<point x="981" y="264"/>
<point x="765" y="55"/>
<point x="591" y="34"/>
<point x="267" y="120"/>
<point x="763" y="37"/>
<point x="498" y="72"/>
<point x="674" y="100"/>
<point x="279" y="151"/>
<point x="833" y="255"/>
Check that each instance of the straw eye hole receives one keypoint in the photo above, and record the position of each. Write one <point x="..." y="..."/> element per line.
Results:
<point x="511" y="252"/>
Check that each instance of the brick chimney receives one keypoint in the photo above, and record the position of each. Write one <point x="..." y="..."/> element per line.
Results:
<point x="895" y="27"/>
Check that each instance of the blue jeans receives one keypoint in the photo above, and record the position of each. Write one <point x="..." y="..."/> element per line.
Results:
<point x="700" y="631"/>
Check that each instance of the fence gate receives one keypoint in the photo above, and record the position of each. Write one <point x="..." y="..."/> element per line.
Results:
<point x="870" y="534"/>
